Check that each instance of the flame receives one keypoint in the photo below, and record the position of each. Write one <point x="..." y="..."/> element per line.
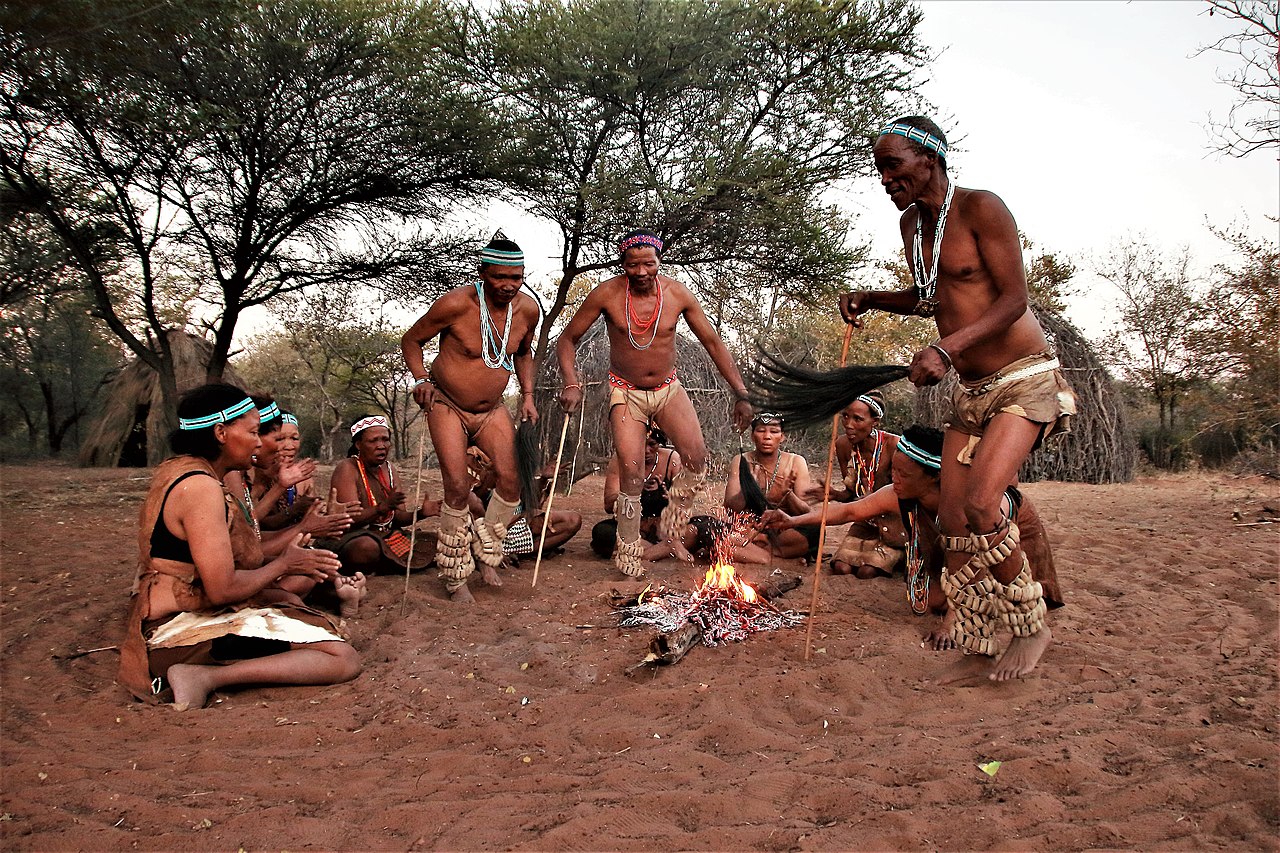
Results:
<point x="722" y="577"/>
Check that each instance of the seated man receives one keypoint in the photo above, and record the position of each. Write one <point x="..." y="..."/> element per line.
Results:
<point x="521" y="539"/>
<point x="661" y="465"/>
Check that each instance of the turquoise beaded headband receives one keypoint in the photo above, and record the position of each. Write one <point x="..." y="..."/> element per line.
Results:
<point x="915" y="134"/>
<point x="230" y="413"/>
<point x="919" y="456"/>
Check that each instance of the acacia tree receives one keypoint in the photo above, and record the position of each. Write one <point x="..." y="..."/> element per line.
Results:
<point x="1238" y="344"/>
<point x="258" y="148"/>
<point x="717" y="123"/>
<point x="1253" y="121"/>
<point x="53" y="355"/>
<point x="338" y="356"/>
<point x="1151" y="342"/>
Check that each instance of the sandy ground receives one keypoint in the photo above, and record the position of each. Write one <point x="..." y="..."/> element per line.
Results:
<point x="1151" y="723"/>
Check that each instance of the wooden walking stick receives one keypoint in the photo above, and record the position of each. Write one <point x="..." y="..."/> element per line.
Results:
<point x="826" y="500"/>
<point x="551" y="496"/>
<point x="417" y="505"/>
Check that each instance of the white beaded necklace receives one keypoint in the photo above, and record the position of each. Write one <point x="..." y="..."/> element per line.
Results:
<point x="493" y="352"/>
<point x="927" y="285"/>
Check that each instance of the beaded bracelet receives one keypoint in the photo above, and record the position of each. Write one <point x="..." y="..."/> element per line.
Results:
<point x="418" y="382"/>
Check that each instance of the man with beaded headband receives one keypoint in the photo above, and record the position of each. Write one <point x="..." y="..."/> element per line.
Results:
<point x="963" y="249"/>
<point x="486" y="333"/>
<point x="641" y="310"/>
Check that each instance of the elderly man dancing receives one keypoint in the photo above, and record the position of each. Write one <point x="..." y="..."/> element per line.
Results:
<point x="966" y="259"/>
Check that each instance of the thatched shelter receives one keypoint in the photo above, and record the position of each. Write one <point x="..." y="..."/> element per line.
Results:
<point x="129" y="431"/>
<point x="588" y="445"/>
<point x="1099" y="448"/>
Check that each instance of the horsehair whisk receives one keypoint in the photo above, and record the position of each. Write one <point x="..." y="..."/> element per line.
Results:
<point x="528" y="463"/>
<point x="804" y="396"/>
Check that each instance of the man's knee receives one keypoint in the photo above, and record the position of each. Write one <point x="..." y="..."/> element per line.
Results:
<point x="983" y="513"/>
<point x="362" y="551"/>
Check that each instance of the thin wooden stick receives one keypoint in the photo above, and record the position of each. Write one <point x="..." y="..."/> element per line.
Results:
<point x="551" y="496"/>
<point x="826" y="501"/>
<point x="417" y="505"/>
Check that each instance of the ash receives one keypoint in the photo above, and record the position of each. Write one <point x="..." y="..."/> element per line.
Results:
<point x="721" y="618"/>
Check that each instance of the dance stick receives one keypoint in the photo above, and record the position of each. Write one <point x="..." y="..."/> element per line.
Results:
<point x="551" y="496"/>
<point x="417" y="507"/>
<point x="826" y="500"/>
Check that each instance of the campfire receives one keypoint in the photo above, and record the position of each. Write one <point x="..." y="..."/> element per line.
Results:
<point x="723" y="609"/>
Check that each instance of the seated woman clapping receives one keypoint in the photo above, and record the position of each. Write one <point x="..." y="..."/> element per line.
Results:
<point x="261" y="490"/>
<point x="208" y="611"/>
<point x="379" y="538"/>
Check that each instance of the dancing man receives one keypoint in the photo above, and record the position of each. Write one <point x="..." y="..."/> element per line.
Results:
<point x="966" y="258"/>
<point x="641" y="309"/>
<point x="461" y="393"/>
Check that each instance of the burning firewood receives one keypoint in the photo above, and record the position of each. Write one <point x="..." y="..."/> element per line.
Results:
<point x="723" y="609"/>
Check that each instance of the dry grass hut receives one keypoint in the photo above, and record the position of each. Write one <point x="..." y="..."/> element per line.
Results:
<point x="588" y="445"/>
<point x="129" y="431"/>
<point x="1099" y="448"/>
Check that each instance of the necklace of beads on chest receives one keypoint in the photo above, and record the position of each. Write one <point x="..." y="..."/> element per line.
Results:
<point x="773" y="478"/>
<point x="643" y="325"/>
<point x="247" y="509"/>
<point x="865" y="475"/>
<point x="387" y="486"/>
<point x="917" y="577"/>
<point x="493" y="351"/>
<point x="927" y="283"/>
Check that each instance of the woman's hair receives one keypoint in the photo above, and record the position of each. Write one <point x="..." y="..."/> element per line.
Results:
<point x="202" y="402"/>
<point x="656" y="434"/>
<point x="927" y="439"/>
<point x="267" y="425"/>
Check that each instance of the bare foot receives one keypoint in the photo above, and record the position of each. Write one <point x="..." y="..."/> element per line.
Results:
<point x="351" y="590"/>
<point x="939" y="637"/>
<point x="462" y="595"/>
<point x="840" y="567"/>
<point x="490" y="575"/>
<point x="1022" y="655"/>
<point x="679" y="551"/>
<point x="191" y="685"/>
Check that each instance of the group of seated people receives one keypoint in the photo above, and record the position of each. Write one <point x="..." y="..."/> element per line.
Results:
<point x="246" y="572"/>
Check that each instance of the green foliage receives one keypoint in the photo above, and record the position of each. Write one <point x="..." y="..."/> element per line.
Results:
<point x="717" y="123"/>
<point x="1048" y="277"/>
<point x="1151" y="340"/>
<point x="54" y="357"/>
<point x="1237" y="348"/>
<point x="253" y="149"/>
<point x="335" y="358"/>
